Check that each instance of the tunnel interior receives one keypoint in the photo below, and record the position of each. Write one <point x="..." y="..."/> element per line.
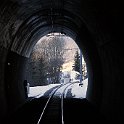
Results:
<point x="97" y="28"/>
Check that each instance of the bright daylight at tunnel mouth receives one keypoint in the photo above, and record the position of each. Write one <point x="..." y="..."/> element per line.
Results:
<point x="56" y="60"/>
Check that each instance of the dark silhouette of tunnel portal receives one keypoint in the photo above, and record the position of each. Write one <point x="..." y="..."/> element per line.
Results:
<point x="96" y="26"/>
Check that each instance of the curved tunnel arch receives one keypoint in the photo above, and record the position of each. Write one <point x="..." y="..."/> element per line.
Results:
<point x="73" y="29"/>
<point x="85" y="43"/>
<point x="22" y="40"/>
<point x="40" y="22"/>
<point x="96" y="30"/>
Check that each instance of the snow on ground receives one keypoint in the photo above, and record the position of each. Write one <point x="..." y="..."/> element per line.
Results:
<point x="40" y="90"/>
<point x="79" y="91"/>
<point x="76" y="90"/>
<point x="61" y="90"/>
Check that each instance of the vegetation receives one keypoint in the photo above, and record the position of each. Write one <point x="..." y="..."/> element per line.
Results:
<point x="76" y="66"/>
<point x="45" y="63"/>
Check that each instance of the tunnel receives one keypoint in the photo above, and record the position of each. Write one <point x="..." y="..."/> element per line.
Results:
<point x="97" y="28"/>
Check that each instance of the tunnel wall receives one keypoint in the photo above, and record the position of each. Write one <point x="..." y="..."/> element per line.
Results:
<point x="113" y="86"/>
<point x="92" y="58"/>
<point x="12" y="75"/>
<point x="106" y="69"/>
<point x="3" y="102"/>
<point x="14" y="78"/>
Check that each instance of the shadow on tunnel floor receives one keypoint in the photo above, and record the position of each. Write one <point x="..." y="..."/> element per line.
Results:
<point x="79" y="111"/>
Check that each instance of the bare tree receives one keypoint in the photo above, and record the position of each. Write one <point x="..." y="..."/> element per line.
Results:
<point x="46" y="61"/>
<point x="55" y="56"/>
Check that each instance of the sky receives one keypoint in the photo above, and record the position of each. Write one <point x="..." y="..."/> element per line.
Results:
<point x="76" y="90"/>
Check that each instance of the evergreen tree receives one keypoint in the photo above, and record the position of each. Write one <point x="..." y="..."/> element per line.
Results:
<point x="76" y="66"/>
<point x="35" y="69"/>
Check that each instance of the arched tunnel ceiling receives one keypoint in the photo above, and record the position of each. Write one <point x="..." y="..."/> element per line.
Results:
<point x="23" y="22"/>
<point x="30" y="17"/>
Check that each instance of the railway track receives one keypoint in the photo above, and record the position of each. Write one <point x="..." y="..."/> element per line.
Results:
<point x="56" y="110"/>
<point x="41" y="110"/>
<point x="53" y="110"/>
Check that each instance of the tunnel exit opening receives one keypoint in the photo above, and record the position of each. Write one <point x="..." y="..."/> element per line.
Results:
<point x="56" y="59"/>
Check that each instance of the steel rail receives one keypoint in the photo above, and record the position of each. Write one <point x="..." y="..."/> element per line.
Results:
<point x="50" y="98"/>
<point x="51" y="95"/>
<point x="62" y="100"/>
